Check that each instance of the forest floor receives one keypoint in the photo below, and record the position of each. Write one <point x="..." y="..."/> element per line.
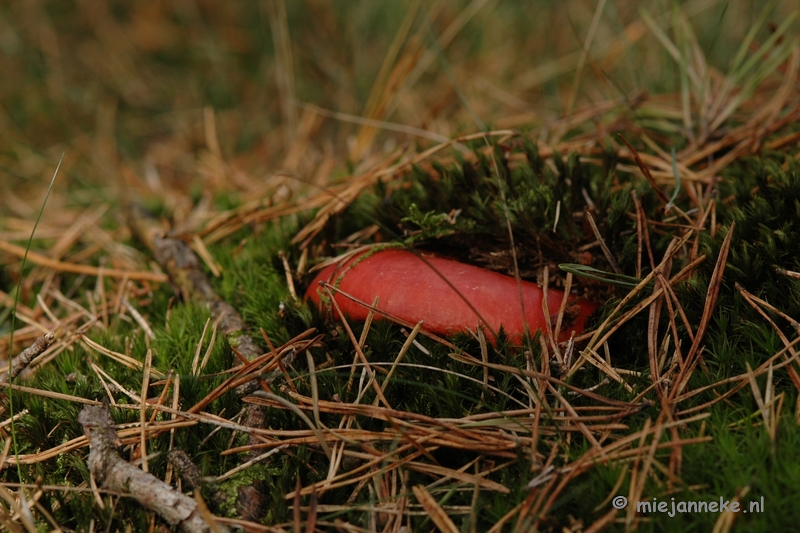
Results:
<point x="173" y="174"/>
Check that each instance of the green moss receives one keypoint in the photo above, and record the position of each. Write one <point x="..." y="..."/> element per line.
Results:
<point x="253" y="475"/>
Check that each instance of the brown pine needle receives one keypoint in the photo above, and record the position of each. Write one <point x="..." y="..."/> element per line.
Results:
<point x="435" y="512"/>
<point x="60" y="266"/>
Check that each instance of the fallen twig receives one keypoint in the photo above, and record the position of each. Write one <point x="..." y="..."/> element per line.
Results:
<point x="114" y="473"/>
<point x="30" y="353"/>
<point x="183" y="267"/>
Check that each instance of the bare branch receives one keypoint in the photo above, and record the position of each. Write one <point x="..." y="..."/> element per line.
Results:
<point x="114" y="473"/>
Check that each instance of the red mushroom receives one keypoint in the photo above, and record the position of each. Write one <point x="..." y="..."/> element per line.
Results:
<point x="410" y="289"/>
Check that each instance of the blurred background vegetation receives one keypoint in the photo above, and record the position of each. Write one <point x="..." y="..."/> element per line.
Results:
<point x="154" y="95"/>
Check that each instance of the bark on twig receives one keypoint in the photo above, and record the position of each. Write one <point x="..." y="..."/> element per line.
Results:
<point x="189" y="472"/>
<point x="27" y="356"/>
<point x="183" y="268"/>
<point x="114" y="473"/>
